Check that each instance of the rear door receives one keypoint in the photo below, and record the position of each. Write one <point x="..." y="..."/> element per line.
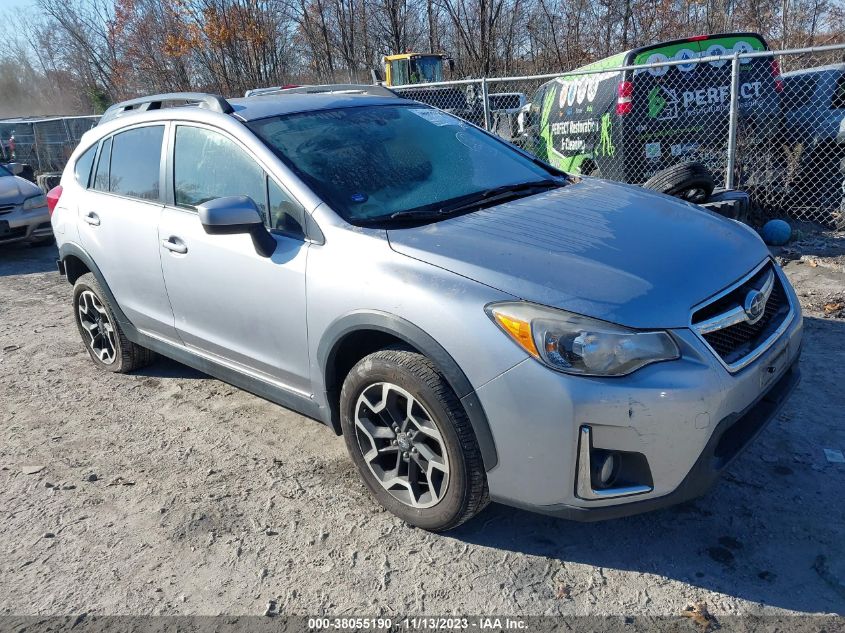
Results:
<point x="119" y="215"/>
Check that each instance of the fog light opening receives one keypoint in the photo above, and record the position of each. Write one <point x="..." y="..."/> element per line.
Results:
<point x="606" y="474"/>
<point x="605" y="468"/>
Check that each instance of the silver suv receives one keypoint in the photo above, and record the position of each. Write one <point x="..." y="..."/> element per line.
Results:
<point x="476" y="324"/>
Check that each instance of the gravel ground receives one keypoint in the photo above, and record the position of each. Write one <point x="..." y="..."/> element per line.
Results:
<point x="168" y="492"/>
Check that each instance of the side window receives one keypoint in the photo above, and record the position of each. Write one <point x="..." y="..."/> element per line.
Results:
<point x="101" y="178"/>
<point x="399" y="72"/>
<point x="838" y="102"/>
<point x="82" y="169"/>
<point x="207" y="165"/>
<point x="136" y="161"/>
<point x="286" y="215"/>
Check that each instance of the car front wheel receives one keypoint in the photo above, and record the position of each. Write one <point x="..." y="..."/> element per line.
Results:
<point x="411" y="441"/>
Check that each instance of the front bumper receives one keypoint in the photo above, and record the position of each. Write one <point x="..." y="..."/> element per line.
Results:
<point x="20" y="226"/>
<point x="689" y="418"/>
<point x="729" y="439"/>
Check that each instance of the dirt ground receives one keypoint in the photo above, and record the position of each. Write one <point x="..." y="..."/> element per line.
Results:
<point x="168" y="492"/>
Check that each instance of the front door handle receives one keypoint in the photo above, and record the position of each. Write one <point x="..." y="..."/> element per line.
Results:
<point x="175" y="245"/>
<point x="92" y="218"/>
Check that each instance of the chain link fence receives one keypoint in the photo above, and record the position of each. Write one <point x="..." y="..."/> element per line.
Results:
<point x="44" y="143"/>
<point x="771" y="123"/>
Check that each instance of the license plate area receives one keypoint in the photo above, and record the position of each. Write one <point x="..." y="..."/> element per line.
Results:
<point x="4" y="227"/>
<point x="773" y="368"/>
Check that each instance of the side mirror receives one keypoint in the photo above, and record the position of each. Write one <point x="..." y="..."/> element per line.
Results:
<point x="15" y="168"/>
<point x="237" y="214"/>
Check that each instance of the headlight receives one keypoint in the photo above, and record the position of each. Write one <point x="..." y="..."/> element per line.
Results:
<point x="35" y="202"/>
<point x="575" y="344"/>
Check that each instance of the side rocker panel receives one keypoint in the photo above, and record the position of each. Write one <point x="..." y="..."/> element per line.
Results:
<point x="289" y="400"/>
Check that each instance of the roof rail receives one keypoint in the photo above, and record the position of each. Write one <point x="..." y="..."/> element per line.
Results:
<point x="366" y="89"/>
<point x="215" y="103"/>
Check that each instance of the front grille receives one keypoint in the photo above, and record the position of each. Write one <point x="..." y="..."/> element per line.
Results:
<point x="737" y="341"/>
<point x="7" y="208"/>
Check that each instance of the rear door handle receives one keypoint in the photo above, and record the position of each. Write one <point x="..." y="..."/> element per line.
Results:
<point x="175" y="245"/>
<point x="92" y="218"/>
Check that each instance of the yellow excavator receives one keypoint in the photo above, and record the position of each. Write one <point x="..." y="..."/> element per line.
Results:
<point x="405" y="69"/>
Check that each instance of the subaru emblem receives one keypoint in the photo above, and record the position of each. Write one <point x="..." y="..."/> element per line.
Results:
<point x="755" y="305"/>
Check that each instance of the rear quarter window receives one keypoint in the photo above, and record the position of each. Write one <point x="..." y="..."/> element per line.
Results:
<point x="101" y="177"/>
<point x="82" y="168"/>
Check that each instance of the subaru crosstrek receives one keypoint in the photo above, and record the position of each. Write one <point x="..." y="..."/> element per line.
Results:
<point x="476" y="324"/>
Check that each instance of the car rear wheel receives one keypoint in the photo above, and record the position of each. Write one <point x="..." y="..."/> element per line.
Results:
<point x="101" y="333"/>
<point x="411" y="441"/>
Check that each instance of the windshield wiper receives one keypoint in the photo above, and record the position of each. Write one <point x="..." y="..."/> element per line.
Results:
<point x="482" y="198"/>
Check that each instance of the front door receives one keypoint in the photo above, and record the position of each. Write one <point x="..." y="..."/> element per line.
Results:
<point x="229" y="301"/>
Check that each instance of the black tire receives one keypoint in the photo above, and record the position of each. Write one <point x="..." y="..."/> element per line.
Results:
<point x="692" y="182"/>
<point x="127" y="356"/>
<point x="466" y="493"/>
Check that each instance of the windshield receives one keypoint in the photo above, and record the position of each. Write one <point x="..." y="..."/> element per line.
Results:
<point x="4" y="171"/>
<point x="375" y="161"/>
<point x="426" y="70"/>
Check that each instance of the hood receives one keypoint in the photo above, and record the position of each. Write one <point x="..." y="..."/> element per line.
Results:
<point x="14" y="190"/>
<point x="606" y="250"/>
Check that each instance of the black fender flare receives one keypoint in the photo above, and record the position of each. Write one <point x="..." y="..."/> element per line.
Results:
<point x="375" y="320"/>
<point x="69" y="249"/>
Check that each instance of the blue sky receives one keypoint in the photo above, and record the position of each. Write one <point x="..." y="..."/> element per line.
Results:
<point x="16" y="4"/>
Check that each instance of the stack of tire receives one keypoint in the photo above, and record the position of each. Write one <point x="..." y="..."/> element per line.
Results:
<point x="694" y="183"/>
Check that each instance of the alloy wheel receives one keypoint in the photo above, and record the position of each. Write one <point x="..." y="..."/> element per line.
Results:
<point x="95" y="321"/>
<point x="401" y="445"/>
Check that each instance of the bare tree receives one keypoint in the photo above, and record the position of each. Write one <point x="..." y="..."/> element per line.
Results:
<point x="84" y="54"/>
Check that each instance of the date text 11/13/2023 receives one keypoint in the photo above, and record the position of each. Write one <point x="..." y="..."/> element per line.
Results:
<point x="482" y="623"/>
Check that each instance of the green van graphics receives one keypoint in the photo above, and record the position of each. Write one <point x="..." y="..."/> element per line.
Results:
<point x="627" y="125"/>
